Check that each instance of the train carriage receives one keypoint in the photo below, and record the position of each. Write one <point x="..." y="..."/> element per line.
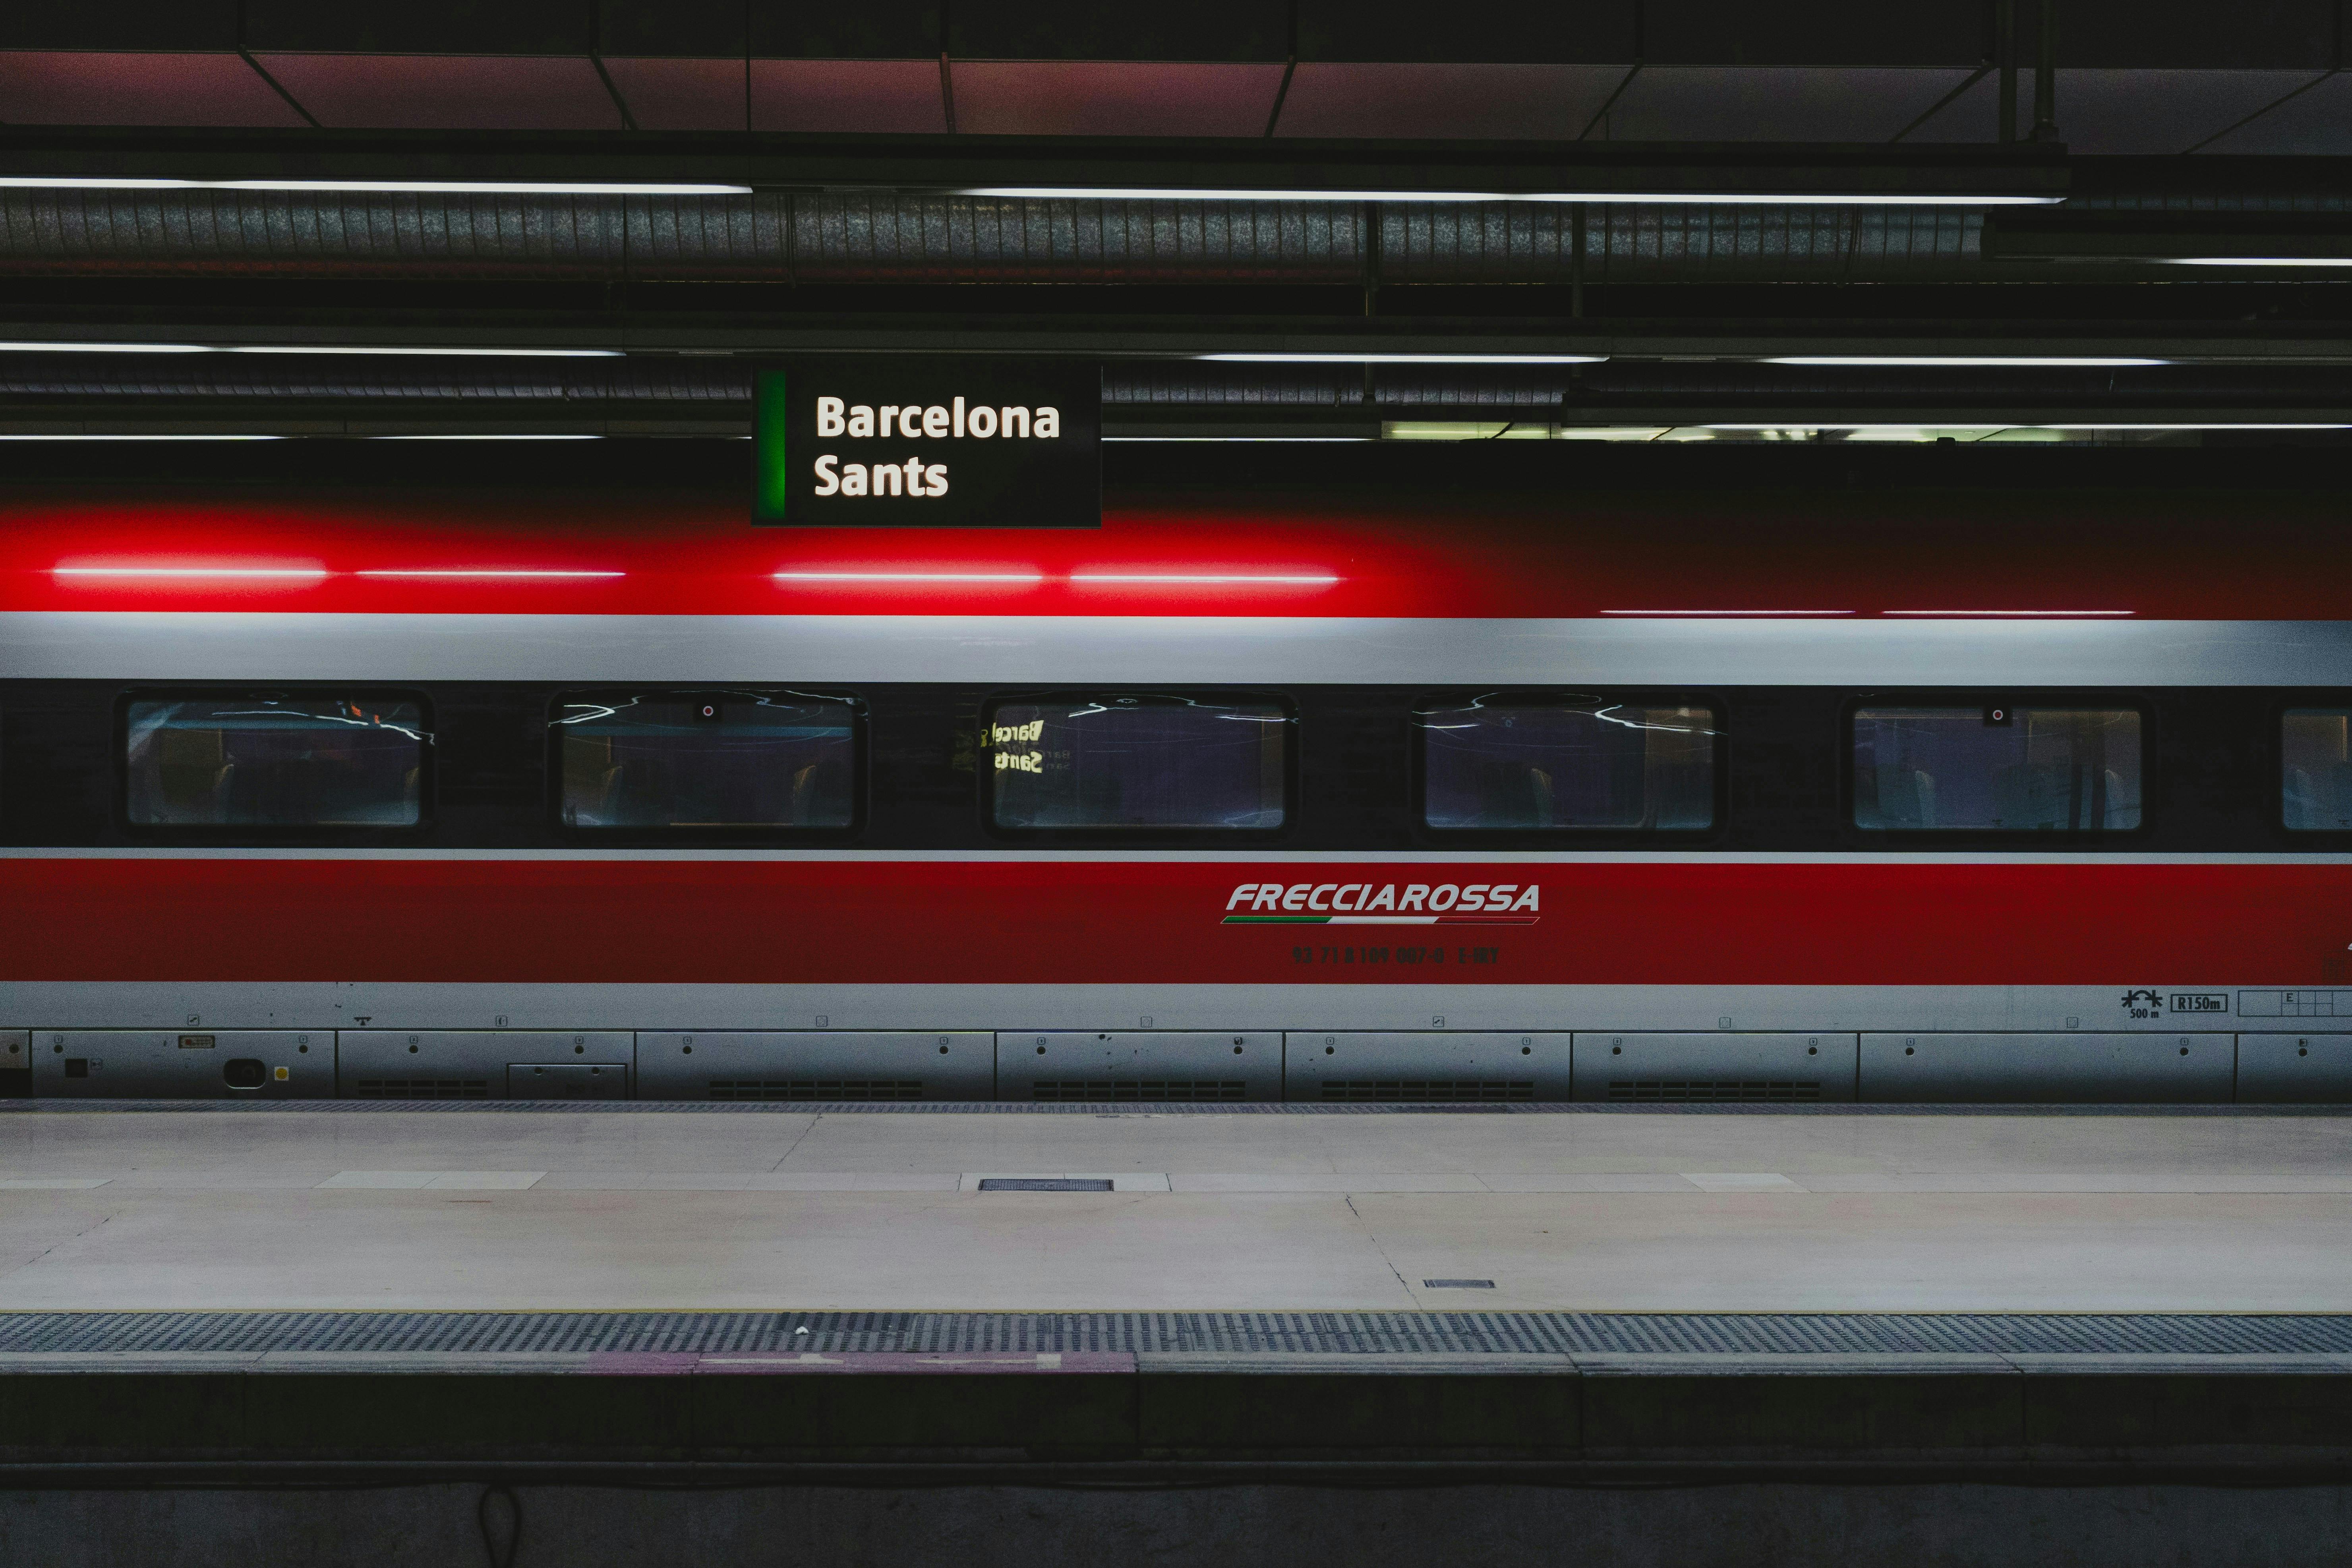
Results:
<point x="1348" y="785"/>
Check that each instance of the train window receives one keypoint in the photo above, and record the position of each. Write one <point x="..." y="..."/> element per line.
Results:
<point x="2316" y="769"/>
<point x="1997" y="769"/>
<point x="1582" y="762"/>
<point x="722" y="761"/>
<point x="1125" y="762"/>
<point x="274" y="762"/>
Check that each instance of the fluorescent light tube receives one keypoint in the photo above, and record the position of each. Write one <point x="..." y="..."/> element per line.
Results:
<point x="1402" y="359"/>
<point x="1998" y="361"/>
<point x="1667" y="198"/>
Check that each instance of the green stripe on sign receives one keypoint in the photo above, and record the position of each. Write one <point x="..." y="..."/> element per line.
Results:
<point x="771" y="476"/>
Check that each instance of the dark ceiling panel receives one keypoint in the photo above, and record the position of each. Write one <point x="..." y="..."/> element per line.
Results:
<point x="1091" y="30"/>
<point x="2145" y="112"/>
<point x="1775" y="103"/>
<point x="120" y="25"/>
<point x="836" y="97"/>
<point x="868" y="30"/>
<point x="1488" y="103"/>
<point x="2247" y="33"/>
<point x="1826" y="33"/>
<point x="2316" y="120"/>
<point x="422" y="27"/>
<point x="1115" y="98"/>
<point x="1519" y="31"/>
<point x="61" y="87"/>
<point x="665" y="92"/>
<point x="695" y="28"/>
<point x="449" y="92"/>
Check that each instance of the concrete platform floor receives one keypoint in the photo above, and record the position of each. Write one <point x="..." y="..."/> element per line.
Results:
<point x="554" y="1209"/>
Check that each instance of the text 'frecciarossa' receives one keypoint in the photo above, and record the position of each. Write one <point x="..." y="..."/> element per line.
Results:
<point x="1363" y="898"/>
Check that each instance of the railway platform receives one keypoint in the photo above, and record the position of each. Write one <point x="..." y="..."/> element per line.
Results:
<point x="330" y="1332"/>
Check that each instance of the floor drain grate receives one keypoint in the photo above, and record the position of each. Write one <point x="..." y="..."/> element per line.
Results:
<point x="1457" y="1284"/>
<point x="1044" y="1184"/>
<point x="1458" y="1331"/>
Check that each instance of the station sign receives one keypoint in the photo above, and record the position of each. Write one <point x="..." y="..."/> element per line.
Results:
<point x="898" y="441"/>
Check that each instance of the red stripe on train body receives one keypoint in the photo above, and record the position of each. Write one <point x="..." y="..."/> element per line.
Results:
<point x="1094" y="920"/>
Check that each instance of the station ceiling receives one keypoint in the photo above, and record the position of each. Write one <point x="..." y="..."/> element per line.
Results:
<point x="2134" y="77"/>
<point x="1155" y="184"/>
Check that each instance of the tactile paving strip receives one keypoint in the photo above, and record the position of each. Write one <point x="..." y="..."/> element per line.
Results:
<point x="1336" y="1334"/>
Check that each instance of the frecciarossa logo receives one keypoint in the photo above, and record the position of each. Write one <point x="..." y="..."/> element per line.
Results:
<point x="1383" y="904"/>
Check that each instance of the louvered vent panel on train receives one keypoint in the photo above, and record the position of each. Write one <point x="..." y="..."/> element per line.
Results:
<point x="422" y="1089"/>
<point x="816" y="1088"/>
<point x="1428" y="1091"/>
<point x="1715" y="1088"/>
<point x="1110" y="1089"/>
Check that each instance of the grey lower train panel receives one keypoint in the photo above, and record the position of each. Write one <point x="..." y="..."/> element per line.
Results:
<point x="1425" y="1068"/>
<point x="2294" y="1069"/>
<point x="470" y="1064"/>
<point x="184" y="1064"/>
<point x="16" y="1050"/>
<point x="1139" y="1065"/>
<point x="834" y="1065"/>
<point x="1632" y="1067"/>
<point x="2078" y="1068"/>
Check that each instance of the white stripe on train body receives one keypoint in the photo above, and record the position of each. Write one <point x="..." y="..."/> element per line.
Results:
<point x="1868" y="652"/>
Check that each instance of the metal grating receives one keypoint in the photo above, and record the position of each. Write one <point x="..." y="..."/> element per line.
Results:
<point x="816" y="1089"/>
<point x="1333" y="1333"/>
<point x="1428" y="1091"/>
<point x="1044" y="1184"/>
<point x="1109" y="1090"/>
<point x="422" y="1089"/>
<point x="1713" y="1089"/>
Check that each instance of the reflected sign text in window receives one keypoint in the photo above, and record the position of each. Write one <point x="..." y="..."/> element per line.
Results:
<point x="1585" y="763"/>
<point x="2064" y="770"/>
<point x="2315" y="770"/>
<point x="1136" y="763"/>
<point x="273" y="762"/>
<point x="714" y="761"/>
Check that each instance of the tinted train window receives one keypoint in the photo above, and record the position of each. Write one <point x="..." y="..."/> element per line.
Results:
<point x="1137" y="762"/>
<point x="274" y="762"/>
<point x="741" y="761"/>
<point x="1581" y="763"/>
<point x="2316" y="769"/>
<point x="1997" y="769"/>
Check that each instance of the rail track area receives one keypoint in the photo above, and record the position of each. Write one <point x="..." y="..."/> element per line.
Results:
<point x="544" y="1332"/>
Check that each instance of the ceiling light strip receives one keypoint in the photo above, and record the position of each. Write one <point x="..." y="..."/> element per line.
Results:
<point x="1383" y="358"/>
<point x="1968" y="361"/>
<point x="375" y="188"/>
<point x="1652" y="198"/>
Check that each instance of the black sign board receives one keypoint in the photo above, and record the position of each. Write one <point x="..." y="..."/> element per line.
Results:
<point x="896" y="441"/>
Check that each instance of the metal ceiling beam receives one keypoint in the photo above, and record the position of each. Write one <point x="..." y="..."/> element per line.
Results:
<point x="2291" y="344"/>
<point x="956" y="164"/>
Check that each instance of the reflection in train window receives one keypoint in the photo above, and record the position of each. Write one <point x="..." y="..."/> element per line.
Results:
<point x="2316" y="769"/>
<point x="1137" y="762"/>
<point x="724" y="761"/>
<point x="274" y="762"/>
<point x="2067" y="770"/>
<point x="1582" y="763"/>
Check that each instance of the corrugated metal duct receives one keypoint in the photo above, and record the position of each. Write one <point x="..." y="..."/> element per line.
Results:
<point x="886" y="238"/>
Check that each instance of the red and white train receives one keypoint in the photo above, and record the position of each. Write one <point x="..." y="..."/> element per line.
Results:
<point x="1364" y="790"/>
